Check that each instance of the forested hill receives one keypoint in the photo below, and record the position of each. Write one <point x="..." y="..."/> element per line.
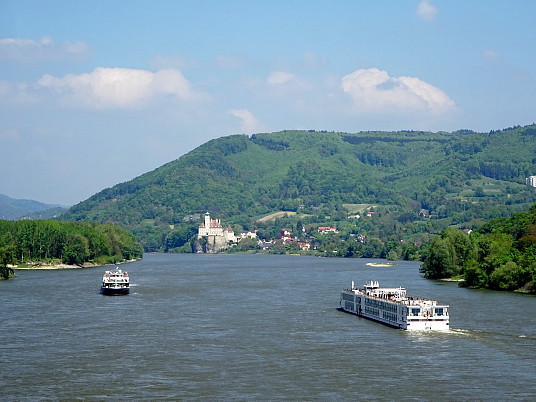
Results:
<point x="457" y="178"/>
<point x="12" y="209"/>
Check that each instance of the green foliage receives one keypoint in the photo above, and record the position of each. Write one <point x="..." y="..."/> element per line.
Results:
<point x="459" y="178"/>
<point x="440" y="262"/>
<point x="500" y="255"/>
<point x="70" y="242"/>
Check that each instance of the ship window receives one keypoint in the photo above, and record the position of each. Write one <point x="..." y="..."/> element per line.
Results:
<point x="439" y="311"/>
<point x="415" y="311"/>
<point x="348" y="297"/>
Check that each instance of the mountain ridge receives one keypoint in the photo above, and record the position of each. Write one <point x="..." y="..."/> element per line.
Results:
<point x="461" y="176"/>
<point x="13" y="209"/>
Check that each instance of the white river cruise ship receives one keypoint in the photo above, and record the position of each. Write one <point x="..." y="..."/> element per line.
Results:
<point x="391" y="306"/>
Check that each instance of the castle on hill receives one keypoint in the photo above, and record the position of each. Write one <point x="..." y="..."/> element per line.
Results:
<point x="216" y="236"/>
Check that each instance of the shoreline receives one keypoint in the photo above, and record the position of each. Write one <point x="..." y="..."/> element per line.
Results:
<point x="66" y="266"/>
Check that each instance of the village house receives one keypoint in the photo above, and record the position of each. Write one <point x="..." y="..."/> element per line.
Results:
<point x="327" y="229"/>
<point x="286" y="235"/>
<point x="248" y="234"/>
<point x="306" y="245"/>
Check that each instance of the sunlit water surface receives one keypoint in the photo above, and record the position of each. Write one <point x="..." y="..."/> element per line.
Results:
<point x="244" y="327"/>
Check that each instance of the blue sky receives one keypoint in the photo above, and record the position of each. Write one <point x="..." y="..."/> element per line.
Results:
<point x="95" y="93"/>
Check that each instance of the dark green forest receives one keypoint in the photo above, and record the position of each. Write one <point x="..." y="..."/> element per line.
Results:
<point x="28" y="242"/>
<point x="500" y="255"/>
<point x="417" y="183"/>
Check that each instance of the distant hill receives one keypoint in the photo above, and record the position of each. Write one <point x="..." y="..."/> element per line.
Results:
<point x="13" y="209"/>
<point x="421" y="182"/>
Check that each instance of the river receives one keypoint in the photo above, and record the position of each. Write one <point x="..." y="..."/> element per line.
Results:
<point x="254" y="327"/>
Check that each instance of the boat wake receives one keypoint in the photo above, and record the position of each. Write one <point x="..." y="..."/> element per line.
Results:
<point x="478" y="334"/>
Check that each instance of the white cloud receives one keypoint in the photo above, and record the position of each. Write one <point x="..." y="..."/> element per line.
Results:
<point x="29" y="50"/>
<point x="279" y="78"/>
<point x="16" y="94"/>
<point x="249" y="123"/>
<point x="119" y="87"/>
<point x="282" y="83"/>
<point x="373" y="90"/>
<point x="426" y="10"/>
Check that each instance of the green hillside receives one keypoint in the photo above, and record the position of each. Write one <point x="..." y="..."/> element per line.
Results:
<point x="458" y="178"/>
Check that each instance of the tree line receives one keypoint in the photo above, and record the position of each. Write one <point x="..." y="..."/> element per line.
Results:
<point x="74" y="243"/>
<point x="499" y="255"/>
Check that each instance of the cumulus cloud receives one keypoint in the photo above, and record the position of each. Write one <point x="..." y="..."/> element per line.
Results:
<point x="119" y="87"/>
<point x="249" y="123"/>
<point x="373" y="90"/>
<point x="426" y="10"/>
<point x="29" y="50"/>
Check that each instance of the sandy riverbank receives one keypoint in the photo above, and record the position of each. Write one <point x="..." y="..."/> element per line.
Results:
<point x="66" y="266"/>
<point x="379" y="264"/>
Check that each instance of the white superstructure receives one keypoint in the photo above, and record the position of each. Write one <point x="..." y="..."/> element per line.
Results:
<point x="116" y="282"/>
<point x="393" y="307"/>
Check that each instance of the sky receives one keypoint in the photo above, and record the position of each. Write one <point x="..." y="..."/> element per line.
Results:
<point x="96" y="93"/>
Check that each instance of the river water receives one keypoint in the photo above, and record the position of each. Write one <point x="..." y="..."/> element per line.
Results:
<point x="254" y="327"/>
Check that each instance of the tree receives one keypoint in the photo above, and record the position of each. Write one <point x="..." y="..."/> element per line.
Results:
<point x="462" y="246"/>
<point x="439" y="262"/>
<point x="7" y="257"/>
<point x="479" y="192"/>
<point x="504" y="277"/>
<point x="6" y="272"/>
<point x="76" y="249"/>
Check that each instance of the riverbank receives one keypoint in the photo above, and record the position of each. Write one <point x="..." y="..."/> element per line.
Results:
<point x="43" y="266"/>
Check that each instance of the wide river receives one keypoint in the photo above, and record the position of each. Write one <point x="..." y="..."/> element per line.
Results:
<point x="254" y="327"/>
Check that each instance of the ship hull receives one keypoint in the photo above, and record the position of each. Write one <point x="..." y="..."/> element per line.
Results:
<point x="115" y="291"/>
<point x="387" y="323"/>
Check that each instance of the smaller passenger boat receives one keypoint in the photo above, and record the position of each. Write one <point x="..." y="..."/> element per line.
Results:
<point x="115" y="282"/>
